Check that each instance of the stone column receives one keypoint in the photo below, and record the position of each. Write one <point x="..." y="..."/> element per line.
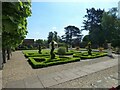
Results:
<point x="109" y="49"/>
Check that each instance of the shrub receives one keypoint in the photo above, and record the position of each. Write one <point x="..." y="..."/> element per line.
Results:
<point x="39" y="59"/>
<point x="61" y="50"/>
<point x="35" y="55"/>
<point x="52" y="50"/>
<point x="51" y="62"/>
<point x="25" y="47"/>
<point x="94" y="55"/>
<point x="39" y="50"/>
<point x="77" y="55"/>
<point x="31" y="46"/>
<point x="89" y="49"/>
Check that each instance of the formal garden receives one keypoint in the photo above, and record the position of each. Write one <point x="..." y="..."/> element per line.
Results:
<point x="103" y="27"/>
<point x="48" y="57"/>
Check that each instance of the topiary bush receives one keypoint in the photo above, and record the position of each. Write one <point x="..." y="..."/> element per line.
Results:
<point x="89" y="49"/>
<point x="61" y="50"/>
<point x="52" y="50"/>
<point x="39" y="50"/>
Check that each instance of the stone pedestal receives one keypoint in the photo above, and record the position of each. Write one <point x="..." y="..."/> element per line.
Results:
<point x="109" y="49"/>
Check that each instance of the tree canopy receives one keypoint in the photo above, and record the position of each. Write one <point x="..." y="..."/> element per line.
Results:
<point x="70" y="33"/>
<point x="93" y="25"/>
<point x="14" y="22"/>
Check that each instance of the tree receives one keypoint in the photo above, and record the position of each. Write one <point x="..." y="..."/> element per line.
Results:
<point x="108" y="26"/>
<point x="70" y="32"/>
<point x="55" y="37"/>
<point x="111" y="27"/>
<point x="50" y="37"/>
<point x="86" y="38"/>
<point x="52" y="50"/>
<point x="14" y="24"/>
<point x="40" y="41"/>
<point x="89" y="49"/>
<point x="93" y="25"/>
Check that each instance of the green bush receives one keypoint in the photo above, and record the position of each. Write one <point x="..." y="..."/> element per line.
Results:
<point x="94" y="55"/>
<point x="50" y="62"/>
<point x="61" y="50"/>
<point x="25" y="47"/>
<point x="77" y="55"/>
<point x="35" y="55"/>
<point x="69" y="53"/>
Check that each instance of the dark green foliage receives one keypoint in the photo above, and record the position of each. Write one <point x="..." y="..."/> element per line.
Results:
<point x="50" y="37"/>
<point x="66" y="47"/>
<point x="94" y="55"/>
<point x="85" y="55"/>
<point x="89" y="49"/>
<point x="93" y="25"/>
<point x="14" y="23"/>
<point x="52" y="50"/>
<point x="51" y="62"/>
<point x="61" y="51"/>
<point x="53" y="36"/>
<point x="39" y="50"/>
<point x="70" y="32"/>
<point x="77" y="55"/>
<point x="35" y="55"/>
<point x="43" y="60"/>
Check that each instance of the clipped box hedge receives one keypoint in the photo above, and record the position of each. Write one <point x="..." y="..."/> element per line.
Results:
<point x="85" y="55"/>
<point x="35" y="55"/>
<point x="93" y="56"/>
<point x="49" y="62"/>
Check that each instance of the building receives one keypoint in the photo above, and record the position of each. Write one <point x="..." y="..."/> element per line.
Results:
<point x="28" y="42"/>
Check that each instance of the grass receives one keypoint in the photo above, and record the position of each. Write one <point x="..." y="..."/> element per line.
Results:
<point x="43" y="60"/>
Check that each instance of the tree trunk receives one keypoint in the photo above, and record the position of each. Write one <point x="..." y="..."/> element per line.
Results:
<point x="8" y="54"/>
<point x="4" y="55"/>
<point x="66" y="48"/>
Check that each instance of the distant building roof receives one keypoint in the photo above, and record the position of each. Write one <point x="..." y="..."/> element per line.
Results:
<point x="28" y="41"/>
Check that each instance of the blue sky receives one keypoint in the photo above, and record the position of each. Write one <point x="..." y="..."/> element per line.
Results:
<point x="54" y="16"/>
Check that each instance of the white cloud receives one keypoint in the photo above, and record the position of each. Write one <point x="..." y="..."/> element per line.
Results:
<point x="54" y="28"/>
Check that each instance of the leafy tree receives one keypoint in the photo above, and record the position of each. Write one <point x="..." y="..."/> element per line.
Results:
<point x="108" y="26"/>
<point x="86" y="38"/>
<point x="111" y="27"/>
<point x="40" y="41"/>
<point x="93" y="25"/>
<point x="89" y="49"/>
<point x="50" y="37"/>
<point x="52" y="50"/>
<point x="39" y="50"/>
<point x="14" y="24"/>
<point x="55" y="37"/>
<point x="70" y="32"/>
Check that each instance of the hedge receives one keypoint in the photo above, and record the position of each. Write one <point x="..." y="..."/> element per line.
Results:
<point x="93" y="56"/>
<point x="35" y="55"/>
<point x="49" y="62"/>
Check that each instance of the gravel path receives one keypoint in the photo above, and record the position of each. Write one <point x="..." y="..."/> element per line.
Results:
<point x="18" y="68"/>
<point x="102" y="79"/>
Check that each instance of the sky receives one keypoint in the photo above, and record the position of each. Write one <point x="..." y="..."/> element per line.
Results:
<point x="54" y="16"/>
